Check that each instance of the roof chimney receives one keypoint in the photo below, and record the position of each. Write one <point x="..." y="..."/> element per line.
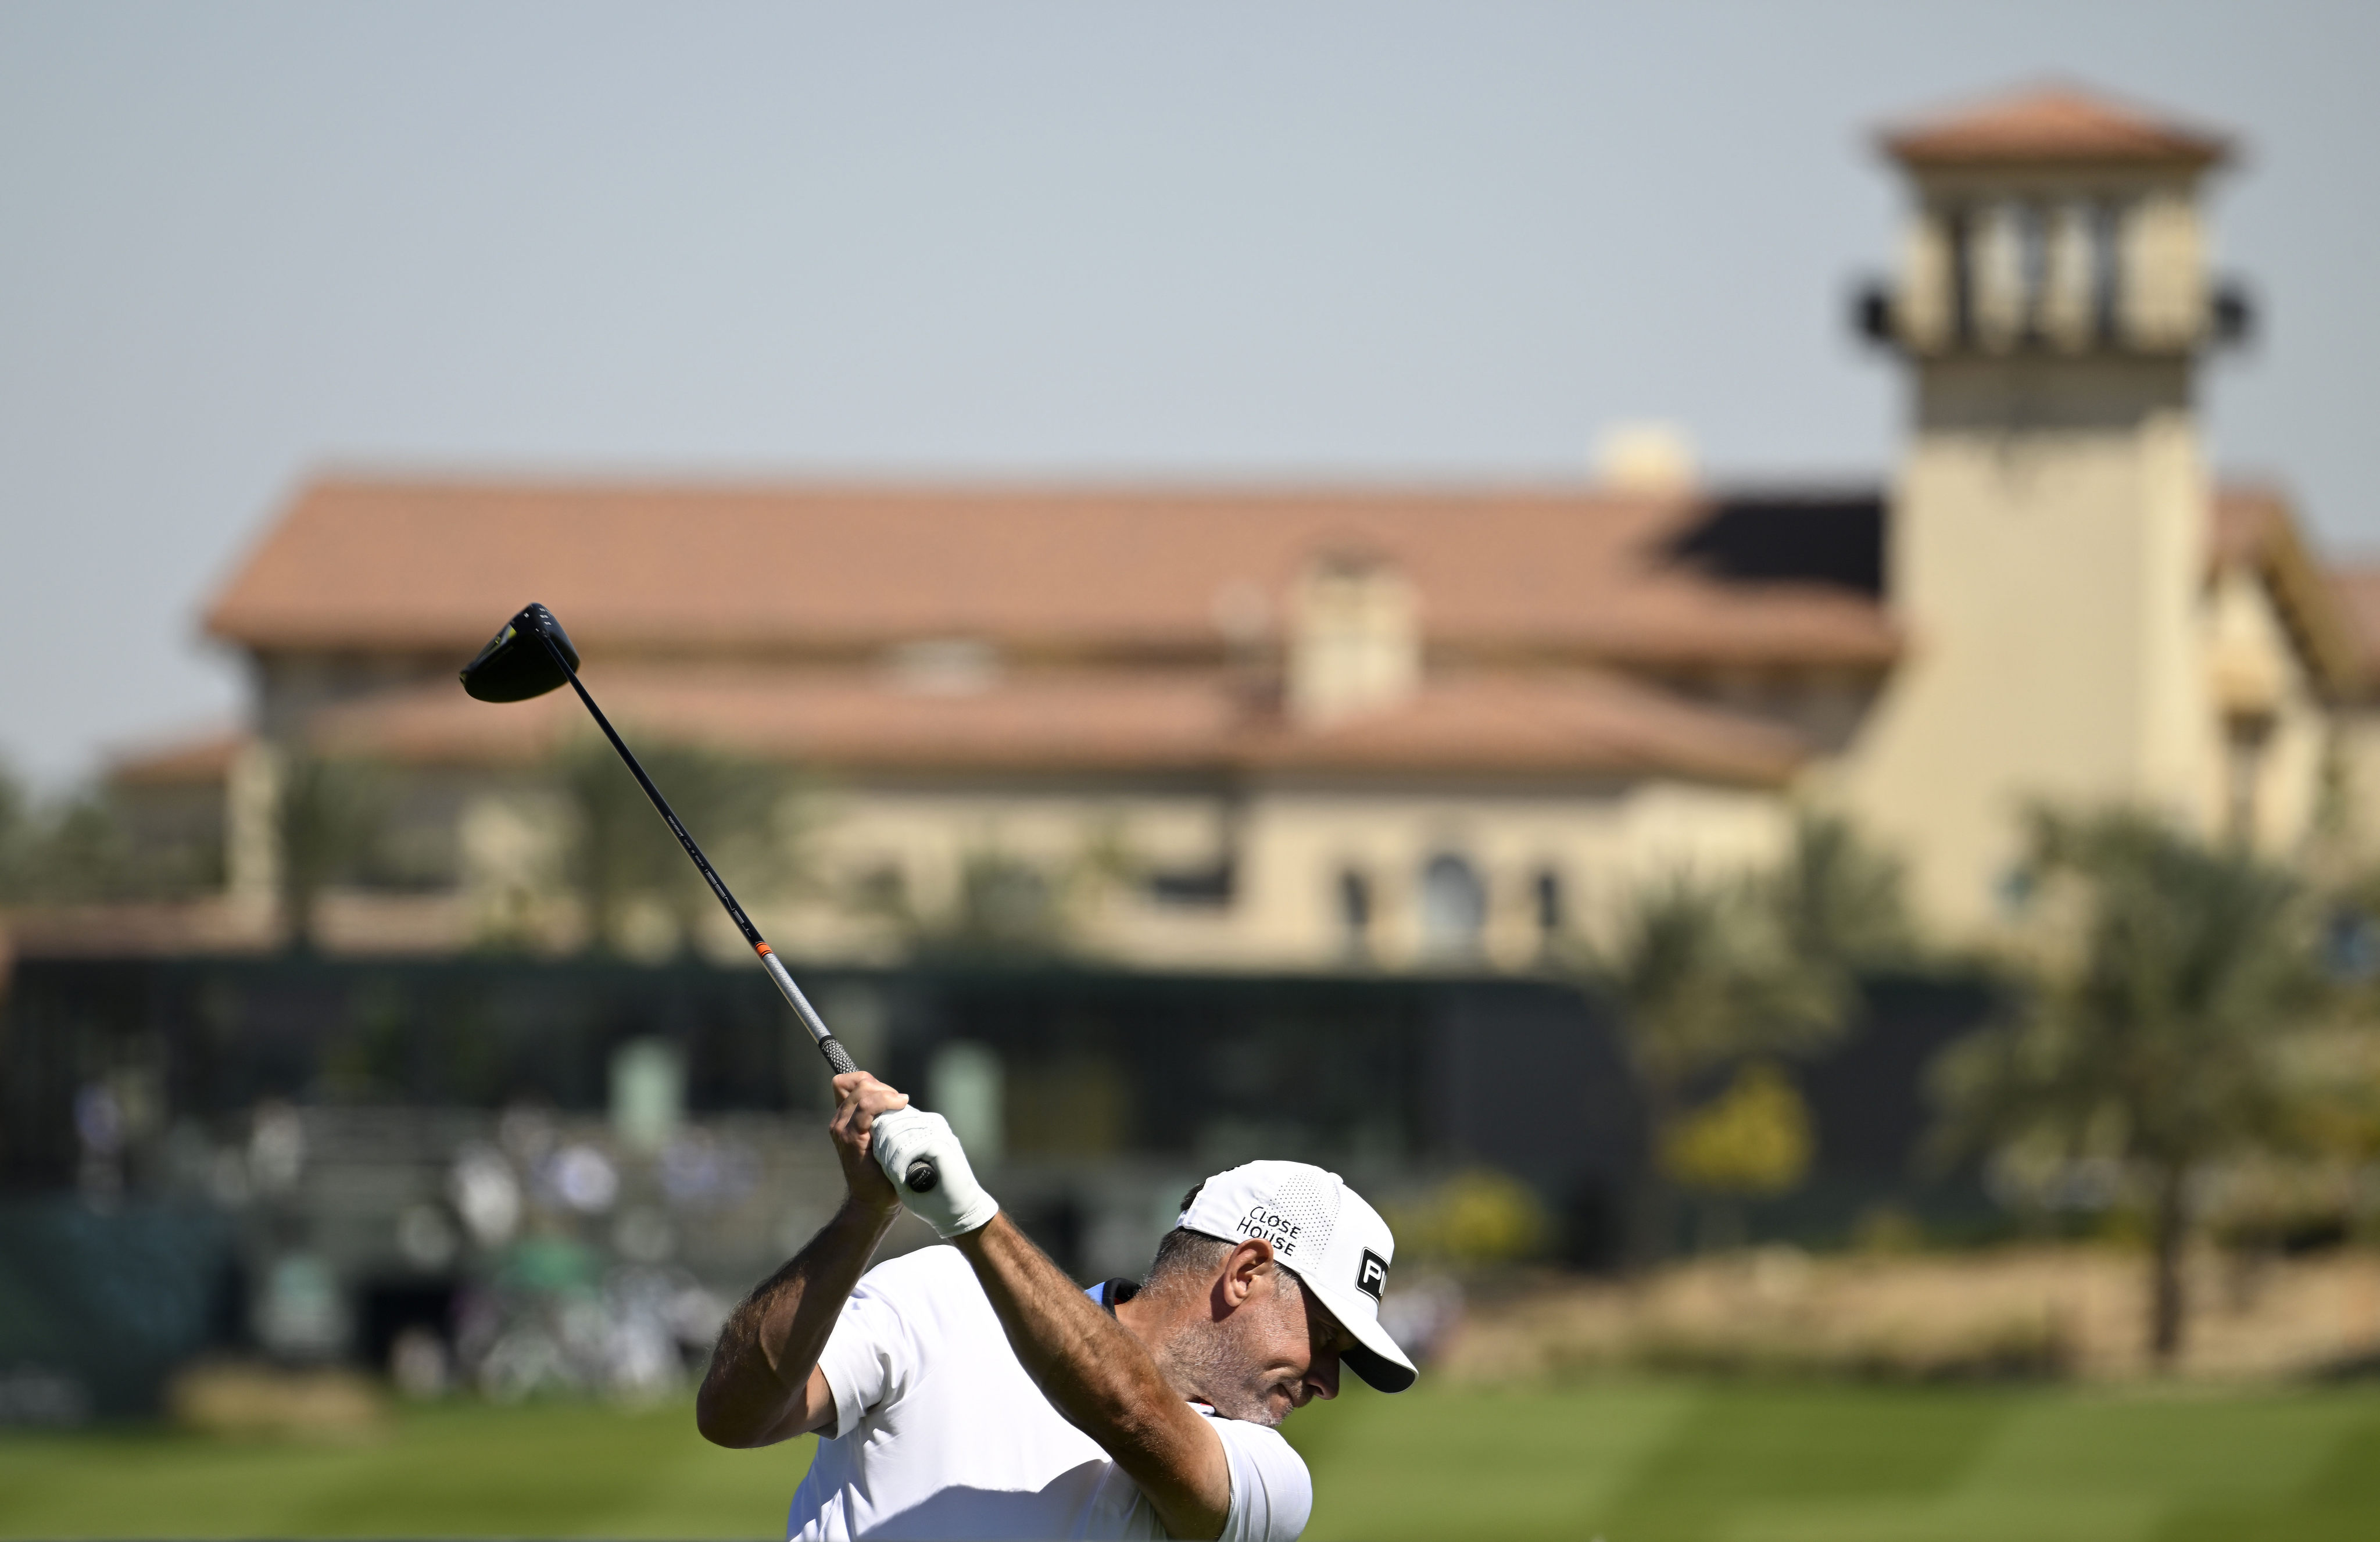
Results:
<point x="1645" y="456"/>
<point x="1355" y="641"/>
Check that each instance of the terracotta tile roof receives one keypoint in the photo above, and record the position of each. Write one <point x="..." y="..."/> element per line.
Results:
<point x="2246" y="520"/>
<point x="756" y="619"/>
<point x="435" y="566"/>
<point x="1584" y="724"/>
<point x="2051" y="124"/>
<point x="1503" y="723"/>
<point x="2357" y="589"/>
<point x="152" y="928"/>
<point x="2252" y="527"/>
<point x="203" y="758"/>
<point x="837" y="717"/>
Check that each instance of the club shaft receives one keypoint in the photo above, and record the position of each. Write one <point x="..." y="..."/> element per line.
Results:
<point x="836" y="1055"/>
<point x="922" y="1176"/>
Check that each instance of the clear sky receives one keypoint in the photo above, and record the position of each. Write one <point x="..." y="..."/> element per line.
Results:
<point x="1375" y="241"/>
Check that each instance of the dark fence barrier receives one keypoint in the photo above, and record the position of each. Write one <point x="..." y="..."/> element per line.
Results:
<point x="1410" y="1072"/>
<point x="98" y="1306"/>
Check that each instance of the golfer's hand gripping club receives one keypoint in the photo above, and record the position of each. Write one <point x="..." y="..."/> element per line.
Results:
<point x="904" y="1140"/>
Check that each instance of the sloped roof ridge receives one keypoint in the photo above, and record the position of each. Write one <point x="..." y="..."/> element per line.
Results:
<point x="991" y="483"/>
<point x="2052" y="121"/>
<point x="2254" y="526"/>
<point x="436" y="565"/>
<point x="1498" y="722"/>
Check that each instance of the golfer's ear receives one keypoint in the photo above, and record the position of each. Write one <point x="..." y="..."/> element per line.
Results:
<point x="1241" y="1267"/>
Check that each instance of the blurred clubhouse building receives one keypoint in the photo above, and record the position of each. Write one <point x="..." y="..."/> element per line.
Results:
<point x="1312" y="727"/>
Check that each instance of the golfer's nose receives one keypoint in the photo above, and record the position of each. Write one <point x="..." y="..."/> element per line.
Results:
<point x="1323" y="1376"/>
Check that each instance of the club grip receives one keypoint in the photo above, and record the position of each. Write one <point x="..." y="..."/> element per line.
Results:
<point x="922" y="1176"/>
<point x="836" y="1055"/>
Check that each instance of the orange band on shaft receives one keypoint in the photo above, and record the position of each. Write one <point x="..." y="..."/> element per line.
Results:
<point x="760" y="948"/>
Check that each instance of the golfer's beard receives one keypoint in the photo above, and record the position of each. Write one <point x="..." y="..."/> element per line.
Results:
<point x="1215" y="1364"/>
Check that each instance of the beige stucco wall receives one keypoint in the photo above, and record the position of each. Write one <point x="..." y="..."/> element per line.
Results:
<point x="2064" y="643"/>
<point x="2356" y="744"/>
<point x="2048" y="551"/>
<point x="2048" y="533"/>
<point x="1600" y="843"/>
<point x="1293" y="839"/>
<point x="2253" y="665"/>
<point x="251" y="834"/>
<point x="843" y="834"/>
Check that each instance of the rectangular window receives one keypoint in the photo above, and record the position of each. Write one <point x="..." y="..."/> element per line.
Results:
<point x="2029" y="223"/>
<point x="2107" y="272"/>
<point x="1961" y="232"/>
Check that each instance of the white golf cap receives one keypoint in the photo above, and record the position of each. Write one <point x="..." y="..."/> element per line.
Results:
<point x="1324" y="1232"/>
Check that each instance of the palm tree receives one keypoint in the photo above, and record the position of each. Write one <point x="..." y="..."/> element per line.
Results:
<point x="621" y="853"/>
<point x="1839" y="900"/>
<point x="1008" y="907"/>
<point x="1703" y="976"/>
<point x="331" y="819"/>
<point x="2157" y="1023"/>
<point x="15" y="832"/>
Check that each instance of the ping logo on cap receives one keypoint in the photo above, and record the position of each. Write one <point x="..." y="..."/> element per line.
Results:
<point x="1372" y="1274"/>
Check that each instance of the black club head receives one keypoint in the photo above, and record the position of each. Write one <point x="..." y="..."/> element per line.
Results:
<point x="515" y="665"/>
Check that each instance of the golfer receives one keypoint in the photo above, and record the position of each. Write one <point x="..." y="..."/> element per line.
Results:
<point x="976" y="1391"/>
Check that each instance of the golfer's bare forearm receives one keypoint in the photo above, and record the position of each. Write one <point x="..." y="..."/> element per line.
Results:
<point x="758" y="1389"/>
<point x="1102" y="1378"/>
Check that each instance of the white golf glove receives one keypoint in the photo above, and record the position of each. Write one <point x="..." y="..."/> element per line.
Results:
<point x="956" y="1203"/>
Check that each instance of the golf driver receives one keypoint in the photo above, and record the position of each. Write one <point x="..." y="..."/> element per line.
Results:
<point x="531" y="656"/>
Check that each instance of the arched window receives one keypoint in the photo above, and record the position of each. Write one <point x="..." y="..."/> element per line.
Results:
<point x="1454" y="907"/>
<point x="1553" y="911"/>
<point x="1355" y="912"/>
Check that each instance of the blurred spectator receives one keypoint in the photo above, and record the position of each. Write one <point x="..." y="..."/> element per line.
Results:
<point x="486" y="1194"/>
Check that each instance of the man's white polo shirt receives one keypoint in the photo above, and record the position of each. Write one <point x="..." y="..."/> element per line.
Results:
<point x="940" y="1433"/>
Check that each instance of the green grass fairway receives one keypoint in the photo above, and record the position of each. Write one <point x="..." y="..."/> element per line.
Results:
<point x="1658" y="1461"/>
<point x="1677" y="1463"/>
<point x="465" y="1469"/>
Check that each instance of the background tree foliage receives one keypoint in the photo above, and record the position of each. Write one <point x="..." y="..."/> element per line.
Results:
<point x="623" y="857"/>
<point x="1476" y="1217"/>
<point x="331" y="822"/>
<point x="2172" y="981"/>
<point x="1708" y="974"/>
<point x="1701" y="978"/>
<point x="1006" y="905"/>
<point x="1838" y="901"/>
<point x="77" y="849"/>
<point x="1754" y="1138"/>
